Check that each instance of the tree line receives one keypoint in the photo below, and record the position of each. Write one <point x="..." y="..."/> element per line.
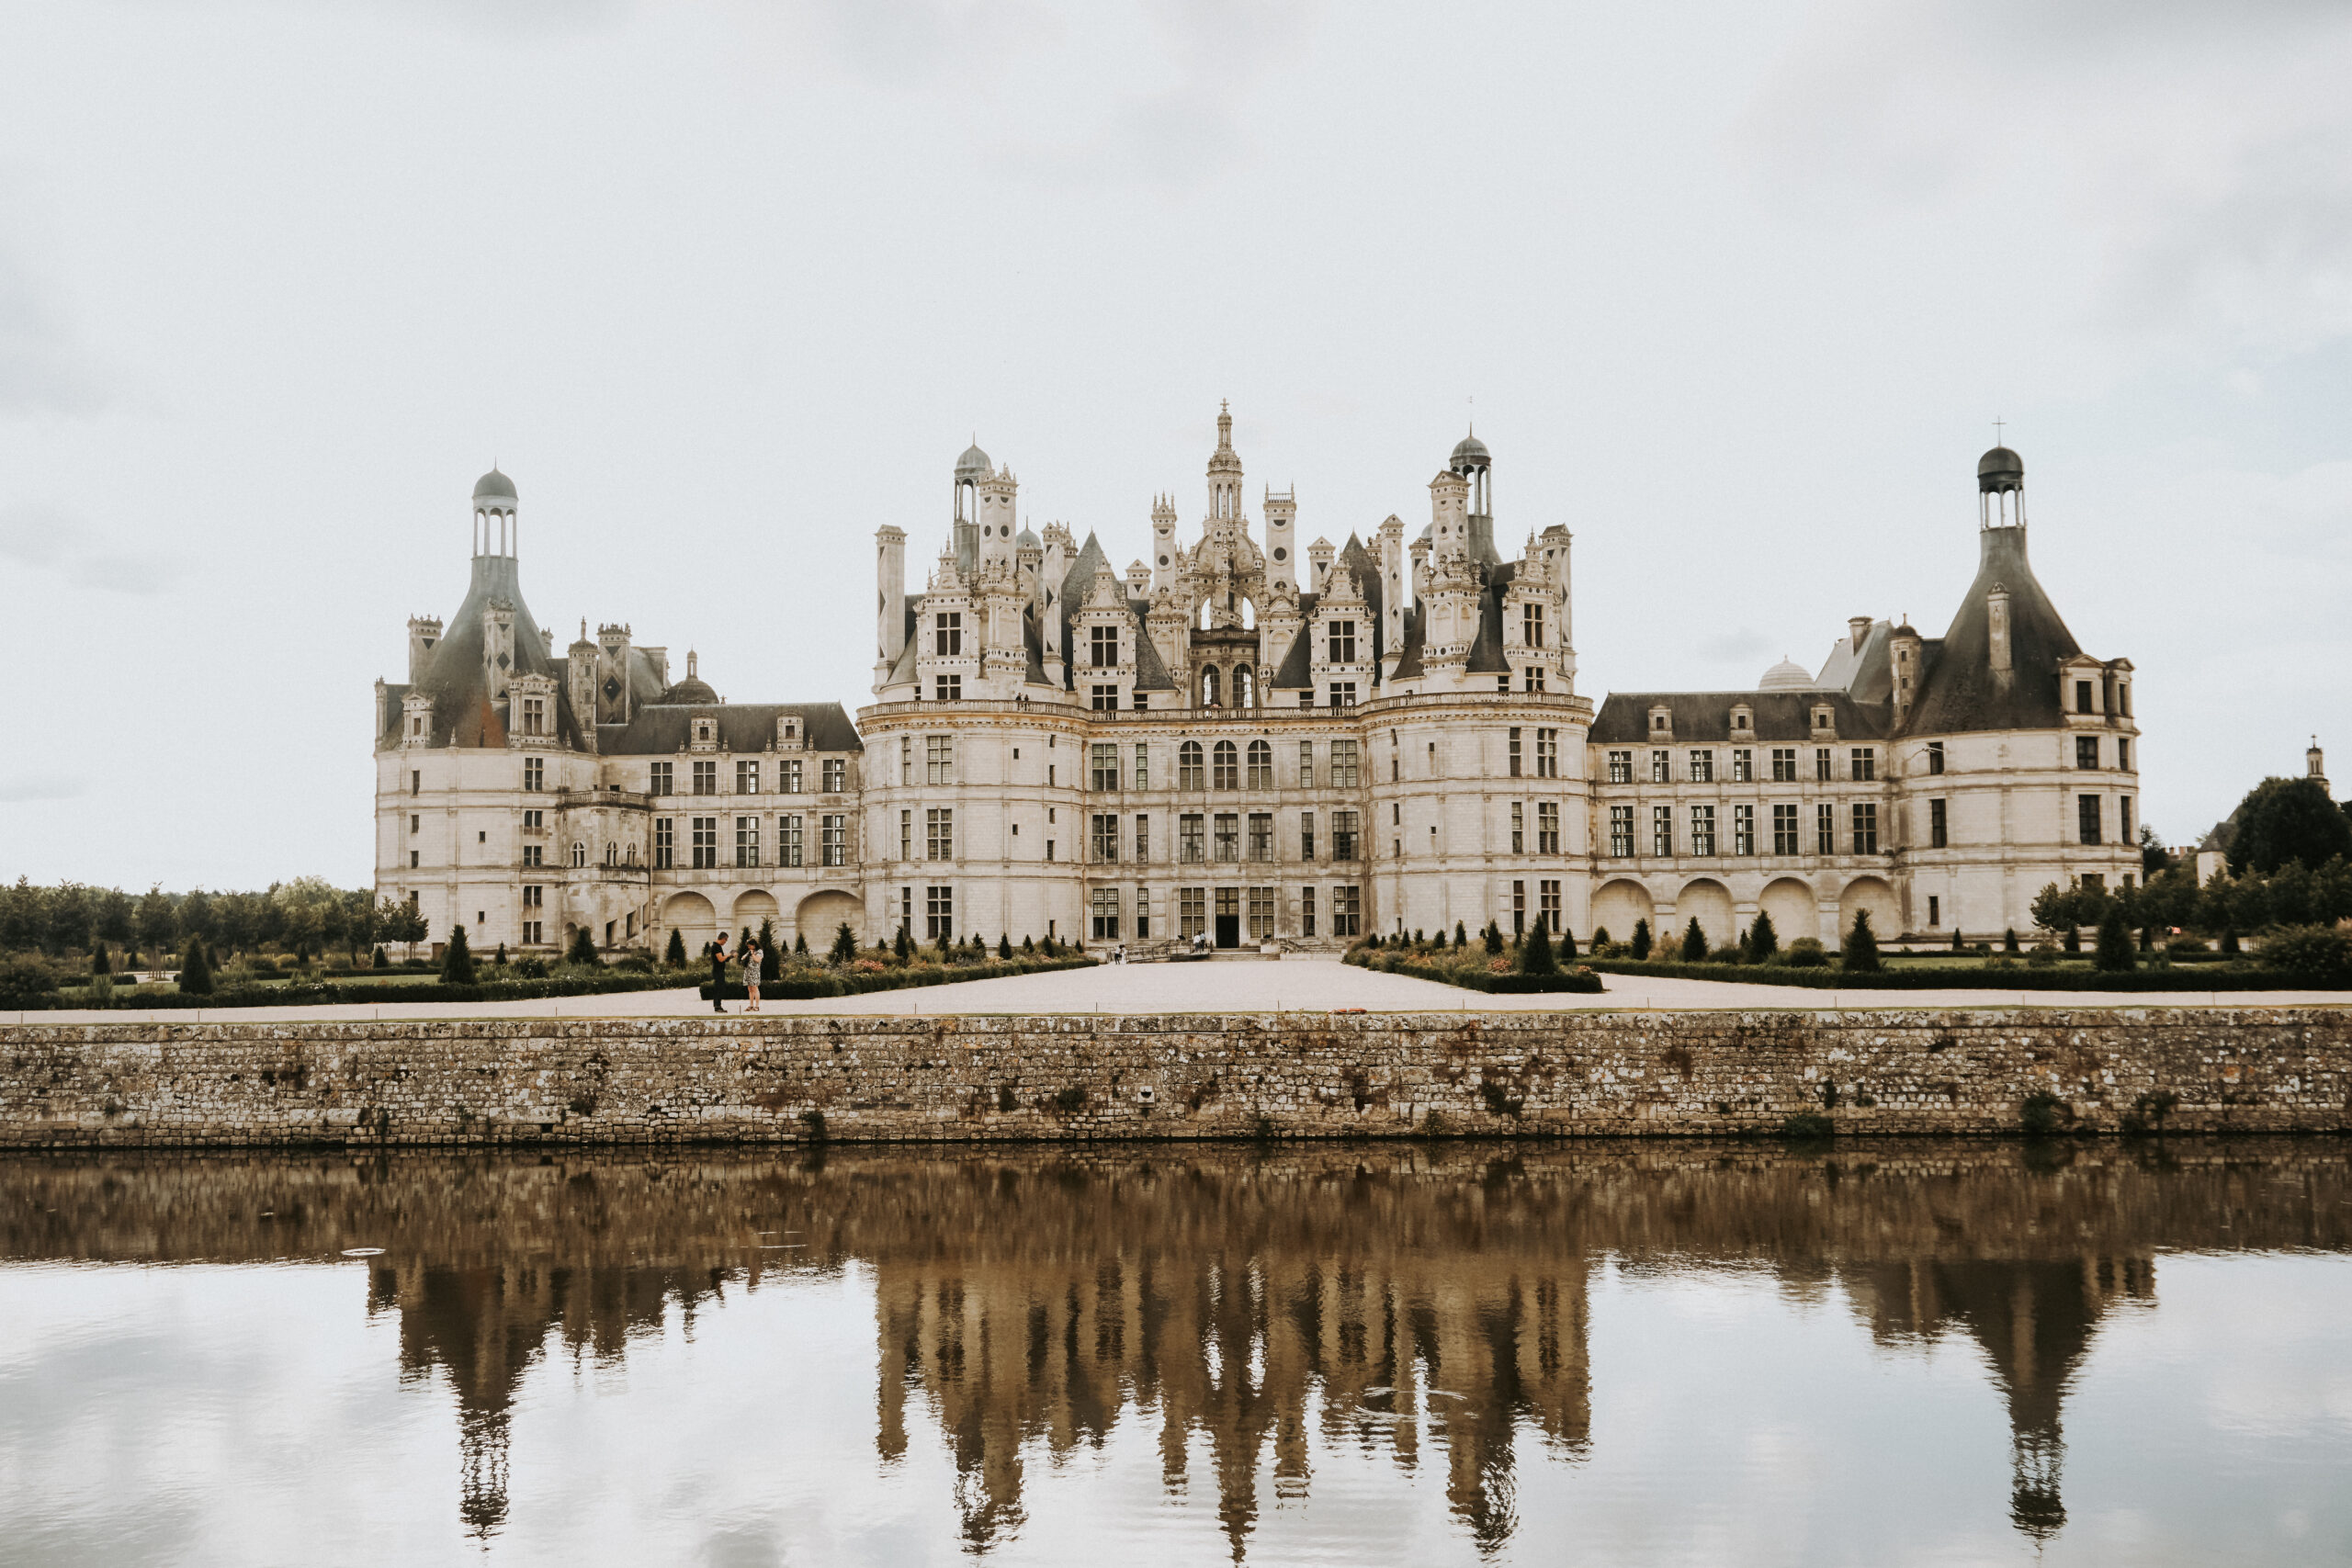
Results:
<point x="308" y="916"/>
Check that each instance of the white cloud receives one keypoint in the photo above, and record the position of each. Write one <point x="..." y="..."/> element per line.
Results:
<point x="54" y="539"/>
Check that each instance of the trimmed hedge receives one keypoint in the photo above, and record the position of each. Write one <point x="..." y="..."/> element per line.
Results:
<point x="1578" y="979"/>
<point x="321" y="995"/>
<point x="1958" y="978"/>
<point x="804" y="988"/>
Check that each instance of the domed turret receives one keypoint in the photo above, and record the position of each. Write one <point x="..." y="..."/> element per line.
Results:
<point x="493" y="485"/>
<point x="2000" y="469"/>
<point x="693" y="689"/>
<point x="974" y="464"/>
<point x="1467" y="450"/>
<point x="1788" y="675"/>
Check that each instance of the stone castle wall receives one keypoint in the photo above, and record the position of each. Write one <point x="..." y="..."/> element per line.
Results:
<point x="797" y="1078"/>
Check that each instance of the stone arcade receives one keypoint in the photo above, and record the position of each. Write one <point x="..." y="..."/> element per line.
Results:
<point x="1228" y="741"/>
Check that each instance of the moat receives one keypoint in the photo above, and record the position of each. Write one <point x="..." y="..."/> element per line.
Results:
<point x="1974" y="1351"/>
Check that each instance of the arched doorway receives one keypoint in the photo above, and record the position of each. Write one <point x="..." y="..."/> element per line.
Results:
<point x="1209" y="687"/>
<point x="1795" y="911"/>
<point x="1618" y="904"/>
<point x="820" y="916"/>
<point x="691" y="917"/>
<point x="1709" y="902"/>
<point x="1871" y="892"/>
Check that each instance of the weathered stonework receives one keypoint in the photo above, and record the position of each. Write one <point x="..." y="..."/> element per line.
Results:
<point x="671" y="1080"/>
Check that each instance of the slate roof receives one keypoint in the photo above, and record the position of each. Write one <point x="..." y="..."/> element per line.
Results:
<point x="1780" y="716"/>
<point x="660" y="729"/>
<point x="1958" y="688"/>
<point x="463" y="713"/>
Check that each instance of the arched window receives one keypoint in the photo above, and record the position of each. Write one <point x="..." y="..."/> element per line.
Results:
<point x="1261" y="765"/>
<point x="612" y="854"/>
<point x="1188" y="766"/>
<point x="632" y="854"/>
<point x="1209" y="687"/>
<point x="1228" y="765"/>
<point x="1245" y="687"/>
<point x="579" y="853"/>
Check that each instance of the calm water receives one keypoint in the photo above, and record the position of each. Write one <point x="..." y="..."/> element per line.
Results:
<point x="1945" y="1353"/>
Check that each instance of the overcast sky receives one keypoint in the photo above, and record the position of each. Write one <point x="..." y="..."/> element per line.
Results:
<point x="1737" y="291"/>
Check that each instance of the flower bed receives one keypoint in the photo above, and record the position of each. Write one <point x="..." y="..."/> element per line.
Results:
<point x="1957" y="977"/>
<point x="807" y="985"/>
<point x="1473" y="970"/>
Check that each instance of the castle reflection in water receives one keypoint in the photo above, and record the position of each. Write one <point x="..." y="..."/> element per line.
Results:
<point x="1428" y="1303"/>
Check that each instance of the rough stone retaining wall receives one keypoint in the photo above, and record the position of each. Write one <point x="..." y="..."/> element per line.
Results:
<point x="1380" y="1075"/>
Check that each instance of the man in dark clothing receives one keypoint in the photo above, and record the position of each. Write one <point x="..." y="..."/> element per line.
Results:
<point x="718" y="973"/>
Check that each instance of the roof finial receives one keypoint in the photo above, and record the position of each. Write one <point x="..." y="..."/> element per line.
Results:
<point x="1997" y="426"/>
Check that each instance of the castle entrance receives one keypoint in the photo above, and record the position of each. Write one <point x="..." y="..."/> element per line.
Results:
<point x="1228" y="917"/>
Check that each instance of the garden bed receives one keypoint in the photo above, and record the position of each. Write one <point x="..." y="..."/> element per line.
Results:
<point x="805" y="986"/>
<point x="1475" y="975"/>
<point x="1955" y="978"/>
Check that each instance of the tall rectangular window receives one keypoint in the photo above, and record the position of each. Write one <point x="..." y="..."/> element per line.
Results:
<point x="906" y="759"/>
<point x="1620" y="831"/>
<point x="706" y="845"/>
<point x="535" y="774"/>
<point x="666" y="842"/>
<point x="938" y="914"/>
<point x="1143" y="914"/>
<point x="2082" y="696"/>
<point x="1103" y="774"/>
<point x="1143" y="845"/>
<point x="2086" y="817"/>
<point x="2087" y="753"/>
<point x="906" y="835"/>
<point x="1261" y="765"/>
<point x="1307" y="911"/>
<point x="788" y="779"/>
<point x="1228" y="837"/>
<point x="947" y="634"/>
<point x="834" y="841"/>
<point x="1102" y="647"/>
<point x="1343" y="836"/>
<point x="1865" y="827"/>
<point x="1702" y="767"/>
<point x="1661" y="767"/>
<point x="1517" y="827"/>
<point x="1261" y="835"/>
<point x="747" y="778"/>
<point x="1743" y="830"/>
<point x="1547" y="904"/>
<point x="535" y="715"/>
<point x="1784" y="764"/>
<point x="1307" y="835"/>
<point x="939" y="833"/>
<point x="1262" y="913"/>
<point x="836" y="774"/>
<point x="1621" y="767"/>
<point x="939" y="758"/>
<point x="1935" y="911"/>
<point x="705" y="778"/>
<point x="1547" y="753"/>
<point x="2122" y="754"/>
<point x="1703" y="829"/>
<point x="1821" y="764"/>
<point x="1531" y="624"/>
<point x="1547" y="827"/>
<point x="1339" y="643"/>
<point x="1824" y="829"/>
<point x="1347" y="911"/>
<point x="1784" y="830"/>
<point x="1865" y="763"/>
<point x="1103" y="699"/>
<point x="1937" y="826"/>
<point x="1306" y="764"/>
<point x="1191" y="850"/>
<point x="1104" y="838"/>
<point x="1518" y="907"/>
<point x="1743" y="765"/>
<point x="2123" y="834"/>
<point x="1935" y="756"/>
<point x="1514" y="752"/>
<point x="1343" y="765"/>
<point x="789" y="848"/>
<point x="1661" y="830"/>
<point x="747" y="841"/>
<point x="1143" y="766"/>
<point x="1192" y="911"/>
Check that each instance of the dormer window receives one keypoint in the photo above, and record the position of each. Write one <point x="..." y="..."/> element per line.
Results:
<point x="1742" y="721"/>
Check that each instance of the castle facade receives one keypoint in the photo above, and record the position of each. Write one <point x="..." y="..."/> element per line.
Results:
<point x="1257" y="743"/>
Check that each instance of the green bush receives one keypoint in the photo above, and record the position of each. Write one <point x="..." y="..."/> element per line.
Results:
<point x="2009" y="940"/>
<point x="1536" y="954"/>
<point x="2317" y="952"/>
<point x="196" y="968"/>
<point x="380" y="961"/>
<point x="675" y="954"/>
<point x="1861" y="956"/>
<point x="26" y="979"/>
<point x="1640" y="938"/>
<point x="458" y="959"/>
<point x="1806" y="953"/>
<point x="1808" y="1125"/>
<point x="1763" y="940"/>
<point x="2114" y="954"/>
<point x="583" y="950"/>
<point x="1694" y="942"/>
